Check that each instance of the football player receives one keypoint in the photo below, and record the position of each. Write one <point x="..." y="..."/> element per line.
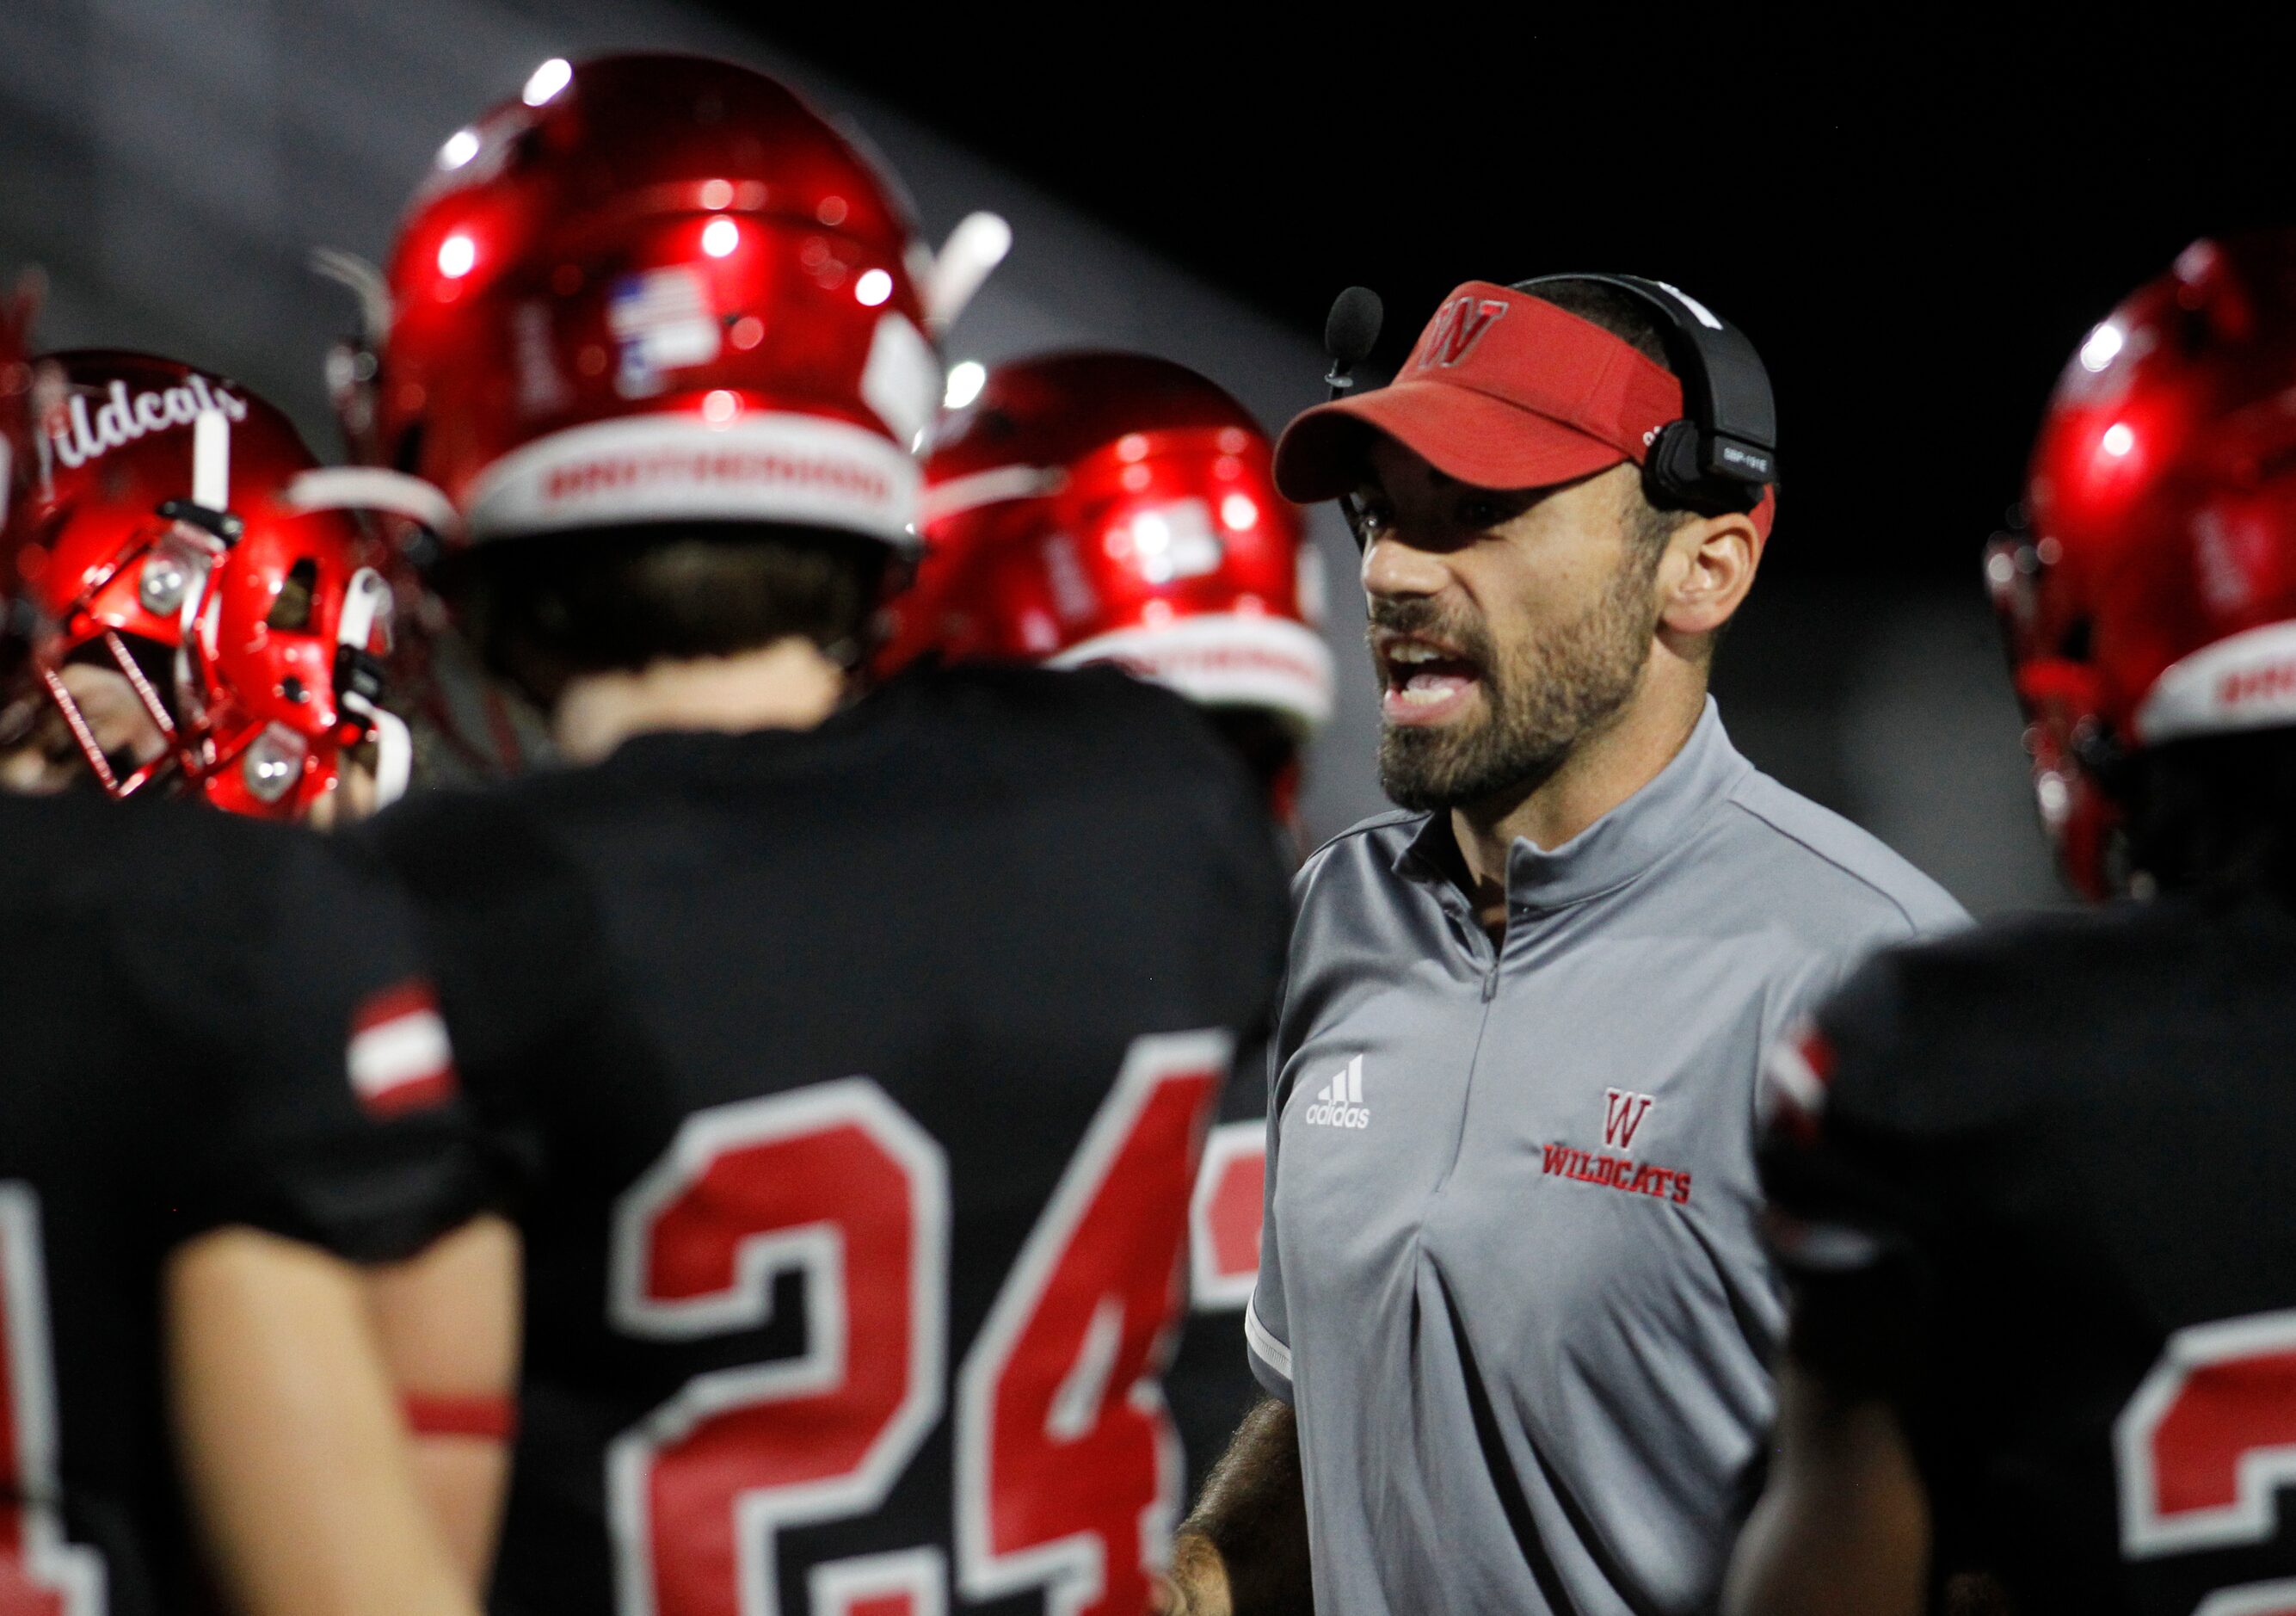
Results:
<point x="848" y="1060"/>
<point x="1090" y="509"/>
<point x="206" y="1106"/>
<point x="196" y="616"/>
<point x="2033" y="1183"/>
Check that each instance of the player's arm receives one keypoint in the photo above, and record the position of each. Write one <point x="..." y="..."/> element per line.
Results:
<point x="332" y="1118"/>
<point x="1843" y="1525"/>
<point x="1245" y="1550"/>
<point x="1856" y="1215"/>
<point x="447" y="1325"/>
<point x="292" y="1446"/>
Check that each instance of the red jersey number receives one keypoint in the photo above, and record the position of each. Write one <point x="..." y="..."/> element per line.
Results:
<point x="835" y="1182"/>
<point x="1068" y="1469"/>
<point x="1068" y="1475"/>
<point x="40" y="1573"/>
<point x="2203" y="1444"/>
<point x="1224" y="1216"/>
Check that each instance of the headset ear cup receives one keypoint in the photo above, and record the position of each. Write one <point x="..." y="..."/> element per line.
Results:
<point x="1676" y="479"/>
<point x="1670" y="472"/>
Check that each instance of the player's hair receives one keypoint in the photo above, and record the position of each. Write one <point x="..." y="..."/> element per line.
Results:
<point x="2216" y="813"/>
<point x="1619" y="313"/>
<point x="618" y="600"/>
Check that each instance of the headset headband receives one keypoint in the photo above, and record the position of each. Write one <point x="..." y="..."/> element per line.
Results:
<point x="1725" y="398"/>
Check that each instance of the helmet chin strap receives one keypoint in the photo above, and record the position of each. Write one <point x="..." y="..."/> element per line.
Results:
<point x="369" y="601"/>
<point x="394" y="755"/>
<point x="366" y="604"/>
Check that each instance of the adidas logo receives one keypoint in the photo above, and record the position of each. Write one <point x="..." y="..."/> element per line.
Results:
<point x="1339" y="1103"/>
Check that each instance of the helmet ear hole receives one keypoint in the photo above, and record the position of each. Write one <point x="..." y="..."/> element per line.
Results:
<point x="292" y="611"/>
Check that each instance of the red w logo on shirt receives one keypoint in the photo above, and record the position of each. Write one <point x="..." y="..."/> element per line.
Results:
<point x="1458" y="326"/>
<point x="1623" y="1112"/>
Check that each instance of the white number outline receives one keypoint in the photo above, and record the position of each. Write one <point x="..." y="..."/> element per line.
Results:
<point x="1072" y="1570"/>
<point x="74" y="1571"/>
<point x="817" y="1252"/>
<point x="2145" y="1531"/>
<point x="2250" y="1599"/>
<point x="837" y="1586"/>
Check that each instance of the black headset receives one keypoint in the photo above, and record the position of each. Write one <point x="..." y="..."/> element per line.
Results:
<point x="1724" y="452"/>
<point x="1718" y="457"/>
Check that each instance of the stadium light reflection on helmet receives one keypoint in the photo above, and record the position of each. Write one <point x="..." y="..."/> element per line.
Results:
<point x="457" y="254"/>
<point x="720" y="236"/>
<point x="872" y="288"/>
<point x="2102" y="345"/>
<point x="966" y="378"/>
<point x="2118" y="439"/>
<point x="552" y="76"/>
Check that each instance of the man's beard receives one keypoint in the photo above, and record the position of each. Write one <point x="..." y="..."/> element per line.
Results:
<point x="1543" y="699"/>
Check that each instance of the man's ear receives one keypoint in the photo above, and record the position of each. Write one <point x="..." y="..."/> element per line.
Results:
<point x="1711" y="561"/>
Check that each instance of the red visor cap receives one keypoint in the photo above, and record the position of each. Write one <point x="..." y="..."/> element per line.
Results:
<point x="1503" y="390"/>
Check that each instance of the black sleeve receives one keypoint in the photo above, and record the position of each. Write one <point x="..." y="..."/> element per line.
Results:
<point x="317" y="1095"/>
<point x="1857" y="1197"/>
<point x="511" y="933"/>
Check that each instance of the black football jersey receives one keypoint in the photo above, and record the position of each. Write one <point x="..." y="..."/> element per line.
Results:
<point x="2034" y="1187"/>
<point x="180" y="1049"/>
<point x="849" y="1084"/>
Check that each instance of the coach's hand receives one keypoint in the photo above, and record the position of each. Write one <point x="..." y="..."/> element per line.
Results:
<point x="1245" y="1547"/>
<point x="1198" y="1585"/>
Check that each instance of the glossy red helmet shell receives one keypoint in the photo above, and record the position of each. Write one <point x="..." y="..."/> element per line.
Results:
<point x="256" y="598"/>
<point x="2154" y="597"/>
<point x="650" y="289"/>
<point x="1109" y="507"/>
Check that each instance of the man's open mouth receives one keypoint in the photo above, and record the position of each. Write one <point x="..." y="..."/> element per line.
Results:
<point x="1425" y="681"/>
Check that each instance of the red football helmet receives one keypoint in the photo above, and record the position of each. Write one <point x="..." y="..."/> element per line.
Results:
<point x="178" y="531"/>
<point x="1106" y="507"/>
<point x="652" y="289"/>
<point x="2154" y="597"/>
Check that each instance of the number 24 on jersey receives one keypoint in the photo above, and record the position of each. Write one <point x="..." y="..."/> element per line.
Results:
<point x="1065" y="1476"/>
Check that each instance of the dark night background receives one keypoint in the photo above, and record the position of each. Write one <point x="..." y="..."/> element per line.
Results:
<point x="1914" y="215"/>
<point x="1915" y="222"/>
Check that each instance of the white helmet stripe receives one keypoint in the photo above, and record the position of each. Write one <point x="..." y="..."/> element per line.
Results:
<point x="2247" y="681"/>
<point x="372" y="488"/>
<point x="992" y="487"/>
<point x="1225" y="661"/>
<point x="211" y="460"/>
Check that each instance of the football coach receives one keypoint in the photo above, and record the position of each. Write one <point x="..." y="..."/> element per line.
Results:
<point x="1513" y="1313"/>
